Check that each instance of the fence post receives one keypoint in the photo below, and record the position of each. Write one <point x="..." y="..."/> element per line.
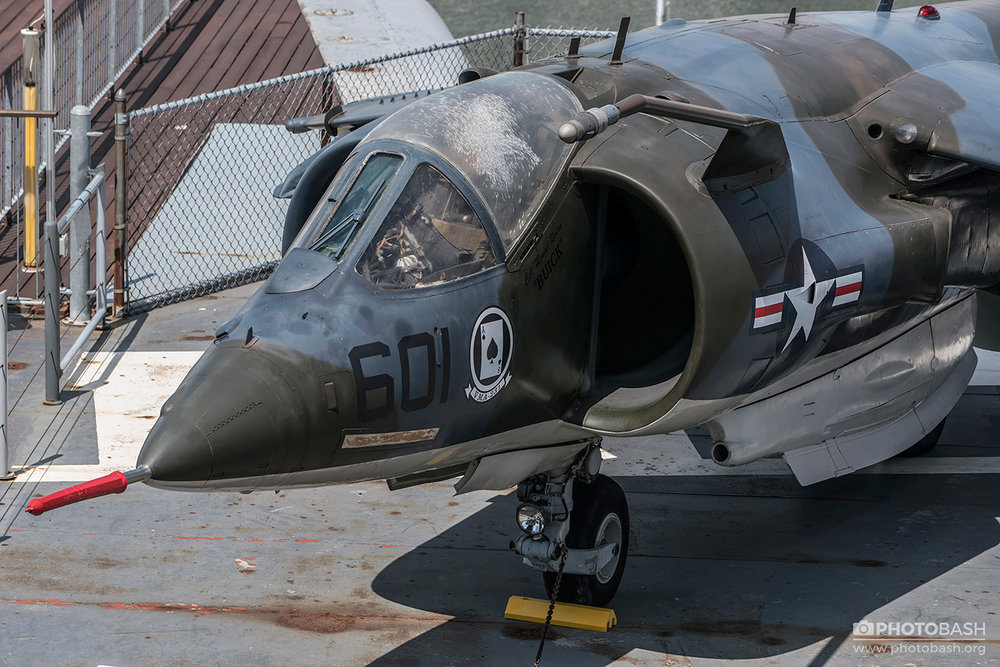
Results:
<point x="30" y="39"/>
<point x="80" y="28"/>
<point x="112" y="39"/>
<point x="7" y="149"/>
<point x="519" y="39"/>
<point x="79" y="258"/>
<point x="140" y="25"/>
<point x="101" y="274"/>
<point x="49" y="129"/>
<point x="121" y="136"/>
<point x="52" y="275"/>
<point x="5" y="472"/>
<point x="52" y="281"/>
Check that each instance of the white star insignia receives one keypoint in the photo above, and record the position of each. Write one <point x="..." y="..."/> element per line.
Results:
<point x="769" y="309"/>
<point x="806" y="300"/>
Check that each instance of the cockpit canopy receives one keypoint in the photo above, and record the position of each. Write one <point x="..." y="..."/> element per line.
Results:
<point x="500" y="133"/>
<point x="443" y="180"/>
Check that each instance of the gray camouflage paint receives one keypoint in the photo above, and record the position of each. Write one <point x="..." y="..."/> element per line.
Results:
<point x="320" y="354"/>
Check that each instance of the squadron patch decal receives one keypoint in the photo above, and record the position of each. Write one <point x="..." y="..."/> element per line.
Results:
<point x="490" y="351"/>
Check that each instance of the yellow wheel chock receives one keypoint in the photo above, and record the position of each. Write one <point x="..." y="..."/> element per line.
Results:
<point x="565" y="614"/>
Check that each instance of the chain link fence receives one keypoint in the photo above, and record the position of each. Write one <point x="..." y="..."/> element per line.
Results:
<point x="95" y="41"/>
<point x="200" y="211"/>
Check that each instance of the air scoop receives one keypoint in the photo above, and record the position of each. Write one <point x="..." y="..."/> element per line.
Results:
<point x="95" y="488"/>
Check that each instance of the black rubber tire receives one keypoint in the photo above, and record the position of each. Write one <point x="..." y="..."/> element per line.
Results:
<point x="926" y="443"/>
<point x="592" y="503"/>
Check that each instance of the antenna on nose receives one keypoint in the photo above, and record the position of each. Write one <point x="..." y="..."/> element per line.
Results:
<point x="884" y="6"/>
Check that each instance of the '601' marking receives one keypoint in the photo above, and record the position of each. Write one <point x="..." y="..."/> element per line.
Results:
<point x="377" y="393"/>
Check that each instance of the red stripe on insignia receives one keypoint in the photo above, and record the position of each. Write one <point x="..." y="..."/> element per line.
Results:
<point x="764" y="311"/>
<point x="848" y="289"/>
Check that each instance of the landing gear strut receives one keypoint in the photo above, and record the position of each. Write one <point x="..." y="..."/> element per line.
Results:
<point x="578" y="511"/>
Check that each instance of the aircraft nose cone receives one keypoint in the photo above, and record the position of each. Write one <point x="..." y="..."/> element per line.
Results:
<point x="234" y="416"/>
<point x="176" y="452"/>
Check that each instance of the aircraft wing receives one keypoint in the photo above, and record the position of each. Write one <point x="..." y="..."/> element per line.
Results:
<point x="967" y="133"/>
<point x="945" y="110"/>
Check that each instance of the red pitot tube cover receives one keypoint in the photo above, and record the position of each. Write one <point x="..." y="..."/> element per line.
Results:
<point x="95" y="488"/>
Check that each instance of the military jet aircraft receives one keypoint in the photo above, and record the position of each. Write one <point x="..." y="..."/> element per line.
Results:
<point x="773" y="225"/>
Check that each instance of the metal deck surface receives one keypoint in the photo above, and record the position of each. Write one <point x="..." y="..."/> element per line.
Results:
<point x="726" y="566"/>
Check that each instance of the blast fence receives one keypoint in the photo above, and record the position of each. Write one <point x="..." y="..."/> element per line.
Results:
<point x="201" y="215"/>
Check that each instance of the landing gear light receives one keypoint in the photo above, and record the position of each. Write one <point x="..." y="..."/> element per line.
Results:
<point x="531" y="519"/>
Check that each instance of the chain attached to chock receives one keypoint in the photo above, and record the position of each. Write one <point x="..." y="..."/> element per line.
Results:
<point x="552" y="603"/>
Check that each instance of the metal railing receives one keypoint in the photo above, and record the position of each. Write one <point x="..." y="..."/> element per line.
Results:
<point x="56" y="365"/>
<point x="5" y="472"/>
<point x="200" y="215"/>
<point x="93" y="43"/>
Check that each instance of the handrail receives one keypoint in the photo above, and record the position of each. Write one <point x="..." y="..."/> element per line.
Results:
<point x="83" y="199"/>
<point x="53" y="373"/>
<point x="5" y="472"/>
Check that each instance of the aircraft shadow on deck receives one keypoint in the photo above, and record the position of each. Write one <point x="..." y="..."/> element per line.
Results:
<point x="720" y="567"/>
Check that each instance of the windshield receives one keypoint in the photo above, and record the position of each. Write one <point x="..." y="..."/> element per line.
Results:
<point x="501" y="134"/>
<point x="431" y="235"/>
<point x="337" y="221"/>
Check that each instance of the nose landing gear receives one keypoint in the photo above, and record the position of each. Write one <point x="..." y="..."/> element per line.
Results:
<point x="576" y="513"/>
<point x="600" y="520"/>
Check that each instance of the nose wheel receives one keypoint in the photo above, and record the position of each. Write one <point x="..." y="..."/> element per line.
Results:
<point x="599" y="518"/>
<point x="575" y="527"/>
